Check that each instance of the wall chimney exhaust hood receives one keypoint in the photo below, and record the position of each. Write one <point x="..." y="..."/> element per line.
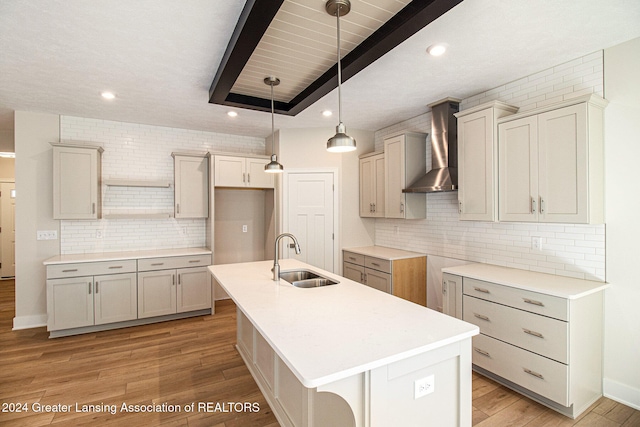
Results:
<point x="443" y="175"/>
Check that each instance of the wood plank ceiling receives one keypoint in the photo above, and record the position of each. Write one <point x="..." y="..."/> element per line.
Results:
<point x="295" y="40"/>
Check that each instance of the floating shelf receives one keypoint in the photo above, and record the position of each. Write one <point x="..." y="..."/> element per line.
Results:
<point x="136" y="183"/>
<point x="159" y="215"/>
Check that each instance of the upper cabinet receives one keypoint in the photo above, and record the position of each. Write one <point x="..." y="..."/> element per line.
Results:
<point x="191" y="185"/>
<point x="246" y="172"/>
<point x="478" y="160"/>
<point x="76" y="181"/>
<point x="372" y="185"/>
<point x="404" y="163"/>
<point x="551" y="163"/>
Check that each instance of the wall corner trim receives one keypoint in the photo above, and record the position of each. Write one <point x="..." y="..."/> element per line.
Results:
<point x="28" y="322"/>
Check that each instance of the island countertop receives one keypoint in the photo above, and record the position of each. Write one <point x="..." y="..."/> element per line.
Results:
<point x="328" y="333"/>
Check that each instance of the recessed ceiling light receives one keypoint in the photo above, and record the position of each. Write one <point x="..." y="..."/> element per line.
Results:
<point x="327" y="113"/>
<point x="232" y="114"/>
<point x="108" y="95"/>
<point x="436" y="49"/>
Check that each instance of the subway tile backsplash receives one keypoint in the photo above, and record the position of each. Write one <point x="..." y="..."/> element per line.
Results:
<point x="136" y="151"/>
<point x="567" y="250"/>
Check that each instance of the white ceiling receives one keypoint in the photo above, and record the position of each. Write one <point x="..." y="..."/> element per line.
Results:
<point x="160" y="57"/>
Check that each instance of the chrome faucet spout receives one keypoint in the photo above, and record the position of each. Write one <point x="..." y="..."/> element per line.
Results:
<point x="276" y="266"/>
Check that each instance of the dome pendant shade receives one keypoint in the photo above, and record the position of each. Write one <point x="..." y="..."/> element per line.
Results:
<point x="273" y="166"/>
<point x="341" y="142"/>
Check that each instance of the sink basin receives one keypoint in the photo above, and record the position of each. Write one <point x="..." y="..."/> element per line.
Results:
<point x="306" y="279"/>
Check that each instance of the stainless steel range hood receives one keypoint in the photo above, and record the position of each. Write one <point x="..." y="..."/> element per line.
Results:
<point x="443" y="175"/>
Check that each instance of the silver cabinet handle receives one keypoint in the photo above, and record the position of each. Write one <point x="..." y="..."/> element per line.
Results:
<point x="444" y="288"/>
<point x="376" y="264"/>
<point x="401" y="207"/>
<point x="193" y="261"/>
<point x="530" y="332"/>
<point x="244" y="177"/>
<point x="535" y="374"/>
<point x="352" y="258"/>
<point x="157" y="263"/>
<point x="533" y="205"/>
<point x="374" y="208"/>
<point x="365" y="279"/>
<point x="483" y="290"/>
<point x="93" y="208"/>
<point x="459" y="207"/>
<point x="249" y="178"/>
<point x="532" y="301"/>
<point x="541" y="205"/>
<point x="70" y="271"/>
<point x="115" y="267"/>
<point x="96" y="287"/>
<point x="89" y="288"/>
<point x="370" y="207"/>
<point x="482" y="352"/>
<point x="179" y="275"/>
<point x="173" y="279"/>
<point x="178" y="208"/>
<point x="362" y="277"/>
<point x="481" y="317"/>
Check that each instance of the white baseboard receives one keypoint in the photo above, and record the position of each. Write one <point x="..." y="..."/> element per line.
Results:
<point x="28" y="322"/>
<point x="622" y="393"/>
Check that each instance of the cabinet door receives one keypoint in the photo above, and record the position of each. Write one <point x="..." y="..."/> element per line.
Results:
<point x="76" y="180"/>
<point x="563" y="171"/>
<point x="256" y="176"/>
<point x="69" y="303"/>
<point x="156" y="293"/>
<point x="194" y="289"/>
<point x="378" y="186"/>
<point x="378" y="280"/>
<point x="367" y="185"/>
<point x="230" y="171"/>
<point x="452" y="295"/>
<point x="476" y="166"/>
<point x="353" y="272"/>
<point x="394" y="172"/>
<point x="191" y="175"/>
<point x="115" y="298"/>
<point x="518" y="169"/>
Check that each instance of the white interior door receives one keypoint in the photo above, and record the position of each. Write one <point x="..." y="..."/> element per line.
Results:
<point x="310" y="215"/>
<point x="7" y="229"/>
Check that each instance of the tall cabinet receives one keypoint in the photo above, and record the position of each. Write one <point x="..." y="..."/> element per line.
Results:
<point x="372" y="185"/>
<point x="404" y="163"/>
<point x="551" y="163"/>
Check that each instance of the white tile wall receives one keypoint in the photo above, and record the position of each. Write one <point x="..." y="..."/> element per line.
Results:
<point x="567" y="250"/>
<point x="136" y="151"/>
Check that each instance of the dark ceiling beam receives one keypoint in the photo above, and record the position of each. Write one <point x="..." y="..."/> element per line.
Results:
<point x="252" y="24"/>
<point x="411" y="19"/>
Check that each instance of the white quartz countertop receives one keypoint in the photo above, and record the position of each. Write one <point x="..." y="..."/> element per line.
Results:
<point x="384" y="252"/>
<point x="559" y="286"/>
<point x="118" y="256"/>
<point x="328" y="333"/>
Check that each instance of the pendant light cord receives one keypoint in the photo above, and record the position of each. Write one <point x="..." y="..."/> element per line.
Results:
<point x="273" y="131"/>
<point x="339" y="70"/>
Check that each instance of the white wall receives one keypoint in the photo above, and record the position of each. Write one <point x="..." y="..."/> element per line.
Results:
<point x="622" y="152"/>
<point x="307" y="149"/>
<point x="568" y="250"/>
<point x="34" y="211"/>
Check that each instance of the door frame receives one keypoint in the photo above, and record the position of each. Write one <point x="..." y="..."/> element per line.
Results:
<point x="336" y="207"/>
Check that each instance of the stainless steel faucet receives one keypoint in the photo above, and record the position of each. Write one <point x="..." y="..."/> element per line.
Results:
<point x="276" y="266"/>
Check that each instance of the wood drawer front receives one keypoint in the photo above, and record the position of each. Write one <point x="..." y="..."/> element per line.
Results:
<point x="353" y="258"/>
<point x="535" y="302"/>
<point x="353" y="272"/>
<point x="543" y="376"/>
<point x="378" y="264"/>
<point x="150" y="264"/>
<point x="90" y="268"/>
<point x="539" y="334"/>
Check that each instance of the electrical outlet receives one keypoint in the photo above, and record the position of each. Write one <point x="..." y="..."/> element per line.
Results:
<point x="99" y="234"/>
<point x="424" y="386"/>
<point x="245" y="228"/>
<point x="396" y="230"/>
<point x="47" y="235"/>
<point x="536" y="243"/>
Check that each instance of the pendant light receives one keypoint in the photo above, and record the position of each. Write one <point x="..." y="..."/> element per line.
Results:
<point x="340" y="142"/>
<point x="273" y="166"/>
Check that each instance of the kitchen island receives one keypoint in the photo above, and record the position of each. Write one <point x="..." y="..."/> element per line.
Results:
<point x="347" y="354"/>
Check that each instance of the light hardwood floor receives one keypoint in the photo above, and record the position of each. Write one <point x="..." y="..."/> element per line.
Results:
<point x="183" y="362"/>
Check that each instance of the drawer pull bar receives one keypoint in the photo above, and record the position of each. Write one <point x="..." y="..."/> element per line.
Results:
<point x="70" y="271"/>
<point x="483" y="290"/>
<point x="481" y="317"/>
<point x="158" y="263"/>
<point x="535" y="374"/>
<point x="535" y="334"/>
<point x="482" y="352"/>
<point x="194" y="260"/>
<point x="376" y="264"/>
<point x="352" y="258"/>
<point x="115" y="266"/>
<point x="534" y="302"/>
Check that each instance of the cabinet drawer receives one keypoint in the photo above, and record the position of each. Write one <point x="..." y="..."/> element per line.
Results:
<point x="378" y="264"/>
<point x="534" y="302"/>
<point x="149" y="264"/>
<point x="90" y="268"/>
<point x="539" y="334"/>
<point x="543" y="376"/>
<point x="353" y="258"/>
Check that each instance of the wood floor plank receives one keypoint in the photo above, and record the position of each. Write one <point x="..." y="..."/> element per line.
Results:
<point x="518" y="414"/>
<point x="496" y="400"/>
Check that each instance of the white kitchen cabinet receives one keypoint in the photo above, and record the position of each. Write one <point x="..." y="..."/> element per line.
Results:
<point x="404" y="163"/>
<point x="76" y="181"/>
<point x="372" y="185"/>
<point x="191" y="185"/>
<point x="539" y="334"/>
<point x="173" y="285"/>
<point x="452" y="295"/>
<point x="242" y="172"/>
<point x="80" y="295"/>
<point x="478" y="160"/>
<point x="551" y="164"/>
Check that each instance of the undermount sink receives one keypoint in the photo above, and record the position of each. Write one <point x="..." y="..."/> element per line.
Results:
<point x="306" y="279"/>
